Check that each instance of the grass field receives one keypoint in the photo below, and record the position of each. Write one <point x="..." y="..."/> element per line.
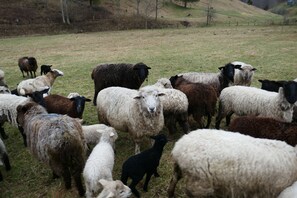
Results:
<point x="272" y="50"/>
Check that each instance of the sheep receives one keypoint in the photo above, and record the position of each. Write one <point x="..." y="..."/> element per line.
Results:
<point x="122" y="75"/>
<point x="56" y="140"/>
<point x="202" y="98"/>
<point x="143" y="163"/>
<point x="73" y="107"/>
<point x="243" y="100"/>
<point x="100" y="162"/>
<point x="271" y="85"/>
<point x="244" y="74"/>
<point x="44" y="69"/>
<point x="38" y="83"/>
<point x="4" y="159"/>
<point x="217" y="163"/>
<point x="28" y="64"/>
<point x="138" y="112"/>
<point x="175" y="106"/>
<point x="260" y="127"/>
<point x="114" y="189"/>
<point x="218" y="80"/>
<point x="91" y="134"/>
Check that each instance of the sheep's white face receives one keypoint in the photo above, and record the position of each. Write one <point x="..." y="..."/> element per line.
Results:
<point x="149" y="100"/>
<point x="114" y="189"/>
<point x="247" y="72"/>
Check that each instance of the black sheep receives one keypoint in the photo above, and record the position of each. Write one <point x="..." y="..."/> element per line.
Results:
<point x="44" y="69"/>
<point x="122" y="75"/>
<point x="28" y="64"/>
<point x="271" y="85"/>
<point x="143" y="163"/>
<point x="4" y="158"/>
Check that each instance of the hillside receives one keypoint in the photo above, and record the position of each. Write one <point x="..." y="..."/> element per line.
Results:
<point x="32" y="17"/>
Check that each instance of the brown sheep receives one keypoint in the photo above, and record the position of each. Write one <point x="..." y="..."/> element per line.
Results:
<point x="202" y="98"/>
<point x="263" y="127"/>
<point x="28" y="64"/>
<point x="73" y="107"/>
<point x="56" y="140"/>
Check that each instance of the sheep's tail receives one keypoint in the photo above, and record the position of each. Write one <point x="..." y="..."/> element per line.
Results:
<point x="93" y="73"/>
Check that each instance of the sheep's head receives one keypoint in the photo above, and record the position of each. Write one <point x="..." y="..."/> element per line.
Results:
<point x="56" y="72"/>
<point x="149" y="100"/>
<point x="290" y="91"/>
<point x="142" y="70"/>
<point x="79" y="102"/>
<point x="228" y="71"/>
<point x="160" y="140"/>
<point x="164" y="83"/>
<point x="246" y="71"/>
<point x="114" y="189"/>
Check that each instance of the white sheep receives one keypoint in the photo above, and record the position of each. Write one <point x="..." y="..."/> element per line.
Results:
<point x="227" y="164"/>
<point x="2" y="80"/>
<point x="138" y="112"/>
<point x="218" y="80"/>
<point x="175" y="105"/>
<point x="244" y="74"/>
<point x="114" y="189"/>
<point x="243" y="100"/>
<point x="100" y="162"/>
<point x="93" y="133"/>
<point x="4" y="90"/>
<point x="39" y="83"/>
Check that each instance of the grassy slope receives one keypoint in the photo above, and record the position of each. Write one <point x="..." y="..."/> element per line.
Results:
<point x="272" y="50"/>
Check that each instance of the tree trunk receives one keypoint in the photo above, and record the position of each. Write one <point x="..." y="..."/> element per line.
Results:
<point x="186" y="4"/>
<point x="64" y="10"/>
<point x="156" y="16"/>
<point x="137" y="7"/>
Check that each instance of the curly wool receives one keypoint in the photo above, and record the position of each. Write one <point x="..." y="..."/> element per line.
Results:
<point x="253" y="101"/>
<point x="117" y="107"/>
<point x="217" y="162"/>
<point x="92" y="133"/>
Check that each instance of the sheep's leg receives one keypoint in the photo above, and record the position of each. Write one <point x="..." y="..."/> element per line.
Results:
<point x="124" y="178"/>
<point x="147" y="180"/>
<point x="2" y="132"/>
<point x="67" y="178"/>
<point x="228" y="118"/>
<point x="23" y="135"/>
<point x="23" y="73"/>
<point x="1" y="177"/>
<point x="133" y="189"/>
<point x="184" y="123"/>
<point x="156" y="174"/>
<point x="95" y="97"/>
<point x="177" y="175"/>
<point x="198" y="118"/>
<point x="6" y="162"/>
<point x="220" y="116"/>
<point x="78" y="184"/>
<point x="208" y="121"/>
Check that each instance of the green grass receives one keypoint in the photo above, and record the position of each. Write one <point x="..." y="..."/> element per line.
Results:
<point x="272" y="50"/>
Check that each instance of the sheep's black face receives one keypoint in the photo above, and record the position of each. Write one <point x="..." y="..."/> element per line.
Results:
<point x="142" y="70"/>
<point x="229" y="70"/>
<point x="160" y="139"/>
<point x="79" y="102"/>
<point x="290" y="91"/>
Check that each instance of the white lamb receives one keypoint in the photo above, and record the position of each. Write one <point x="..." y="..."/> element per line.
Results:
<point x="243" y="100"/>
<point x="114" y="189"/>
<point x="100" y="163"/>
<point x="175" y="106"/>
<point x="289" y="192"/>
<point x="138" y="112"/>
<point x="39" y="83"/>
<point x="244" y="74"/>
<point x="218" y="163"/>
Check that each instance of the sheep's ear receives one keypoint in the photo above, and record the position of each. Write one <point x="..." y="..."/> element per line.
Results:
<point x="220" y="68"/>
<point x="111" y="134"/>
<point x="161" y="94"/>
<point x="137" y="97"/>
<point x="88" y="100"/>
<point x="103" y="182"/>
<point x="261" y="81"/>
<point x="254" y="69"/>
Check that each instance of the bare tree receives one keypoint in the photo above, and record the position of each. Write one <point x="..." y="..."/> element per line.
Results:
<point x="209" y="12"/>
<point x="64" y="10"/>
<point x="137" y="7"/>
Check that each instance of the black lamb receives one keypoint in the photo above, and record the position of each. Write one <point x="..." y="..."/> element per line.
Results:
<point x="143" y="163"/>
<point x="44" y="69"/>
<point x="122" y="75"/>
